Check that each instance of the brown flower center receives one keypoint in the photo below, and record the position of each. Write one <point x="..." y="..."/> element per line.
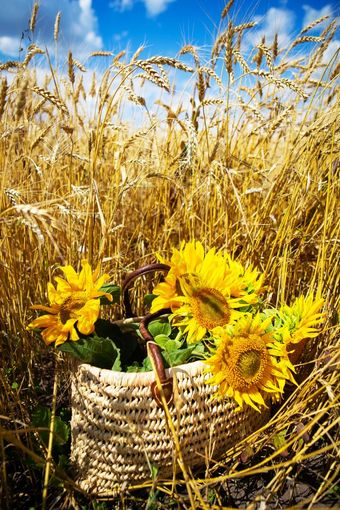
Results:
<point x="69" y="307"/>
<point x="249" y="364"/>
<point x="209" y="308"/>
<point x="249" y="359"/>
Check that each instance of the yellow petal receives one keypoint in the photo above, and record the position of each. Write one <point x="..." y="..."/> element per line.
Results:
<point x="71" y="276"/>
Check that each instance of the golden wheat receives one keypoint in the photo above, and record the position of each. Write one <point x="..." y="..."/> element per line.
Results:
<point x="252" y="168"/>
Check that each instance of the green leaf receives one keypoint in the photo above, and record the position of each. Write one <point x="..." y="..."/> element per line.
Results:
<point x="148" y="298"/>
<point x="161" y="340"/>
<point x="62" y="431"/>
<point x="199" y="350"/>
<point x="178" y="356"/>
<point x="41" y="417"/>
<point x="159" y="327"/>
<point x="112" y="289"/>
<point x="154" y="471"/>
<point x="97" y="351"/>
<point x="117" y="366"/>
<point x="135" y="367"/>
<point x="124" y="336"/>
<point x="279" y="442"/>
<point x="168" y="344"/>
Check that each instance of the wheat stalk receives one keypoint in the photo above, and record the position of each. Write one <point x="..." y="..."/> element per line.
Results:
<point x="56" y="26"/>
<point x="9" y="64"/>
<point x="266" y="51"/>
<point x="172" y="62"/>
<point x="226" y="9"/>
<point x="210" y="72"/>
<point x="136" y="53"/>
<point x="228" y="59"/>
<point x="40" y="136"/>
<point x="118" y="56"/>
<point x="79" y="65"/>
<point x="152" y="75"/>
<point x="241" y="61"/>
<point x="21" y="100"/>
<point x="33" y="49"/>
<point x="212" y="101"/>
<point x="34" y="14"/>
<point x="313" y="24"/>
<point x="189" y="48"/>
<point x="3" y="95"/>
<point x="70" y="68"/>
<point x="275" y="46"/>
<point x="335" y="72"/>
<point x="101" y="54"/>
<point x="50" y="97"/>
<point x="244" y="26"/>
<point x="306" y="38"/>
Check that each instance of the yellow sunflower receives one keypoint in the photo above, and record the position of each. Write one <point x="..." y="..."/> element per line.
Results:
<point x="204" y="290"/>
<point x="248" y="363"/>
<point x="302" y="317"/>
<point x="247" y="282"/>
<point x="299" y="322"/>
<point x="74" y="306"/>
<point x="197" y="288"/>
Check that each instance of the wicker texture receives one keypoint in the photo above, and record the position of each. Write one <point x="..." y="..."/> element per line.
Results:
<point x="118" y="430"/>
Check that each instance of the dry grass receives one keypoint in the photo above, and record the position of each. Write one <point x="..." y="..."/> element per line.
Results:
<point x="250" y="164"/>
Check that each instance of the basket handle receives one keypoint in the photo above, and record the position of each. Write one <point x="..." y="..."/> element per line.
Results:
<point x="163" y="386"/>
<point x="129" y="279"/>
<point x="166" y="384"/>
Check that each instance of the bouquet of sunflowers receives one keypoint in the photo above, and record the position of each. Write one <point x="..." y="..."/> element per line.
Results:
<point x="207" y="307"/>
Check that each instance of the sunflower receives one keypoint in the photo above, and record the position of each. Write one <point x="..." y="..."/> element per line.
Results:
<point x="298" y="323"/>
<point x="197" y="288"/>
<point x="248" y="363"/>
<point x="301" y="317"/>
<point x="247" y="282"/>
<point x="205" y="290"/>
<point x="74" y="307"/>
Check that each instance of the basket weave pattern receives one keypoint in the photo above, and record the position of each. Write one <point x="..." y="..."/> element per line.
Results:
<point x="118" y="430"/>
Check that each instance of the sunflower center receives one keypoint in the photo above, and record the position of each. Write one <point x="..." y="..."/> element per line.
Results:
<point x="249" y="363"/>
<point x="209" y="308"/>
<point x="69" y="307"/>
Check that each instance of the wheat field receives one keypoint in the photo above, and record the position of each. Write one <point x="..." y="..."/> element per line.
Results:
<point x="247" y="160"/>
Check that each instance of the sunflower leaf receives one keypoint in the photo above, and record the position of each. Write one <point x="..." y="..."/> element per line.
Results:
<point x="148" y="298"/>
<point x="159" y="327"/>
<point x="135" y="367"/>
<point x="124" y="336"/>
<point x="97" y="351"/>
<point x="167" y="343"/>
<point x="112" y="289"/>
<point x="178" y="356"/>
<point x="41" y="417"/>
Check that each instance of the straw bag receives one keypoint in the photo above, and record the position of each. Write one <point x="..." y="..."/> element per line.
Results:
<point x="120" y="428"/>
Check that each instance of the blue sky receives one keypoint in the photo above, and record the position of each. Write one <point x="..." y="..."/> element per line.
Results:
<point x="162" y="25"/>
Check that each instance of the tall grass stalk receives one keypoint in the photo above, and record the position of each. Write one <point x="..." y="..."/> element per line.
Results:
<point x="252" y="167"/>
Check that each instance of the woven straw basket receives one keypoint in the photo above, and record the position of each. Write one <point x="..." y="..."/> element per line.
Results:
<point x="119" y="430"/>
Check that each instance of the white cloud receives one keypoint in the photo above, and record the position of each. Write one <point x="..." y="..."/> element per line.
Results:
<point x="153" y="7"/>
<point x="9" y="45"/>
<point x="78" y="26"/>
<point x="275" y="20"/>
